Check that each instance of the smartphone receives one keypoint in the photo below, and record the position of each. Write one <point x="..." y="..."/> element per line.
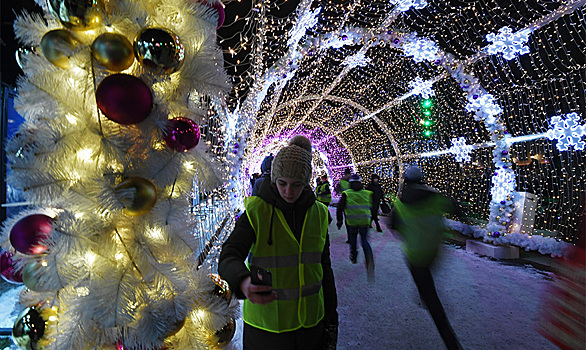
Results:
<point x="260" y="276"/>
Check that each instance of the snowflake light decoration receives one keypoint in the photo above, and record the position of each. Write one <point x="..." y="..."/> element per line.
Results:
<point x="508" y="43"/>
<point x="421" y="49"/>
<point x="423" y="88"/>
<point x="405" y="5"/>
<point x="567" y="131"/>
<point x="485" y="106"/>
<point x="461" y="150"/>
<point x="358" y="59"/>
<point x="503" y="184"/>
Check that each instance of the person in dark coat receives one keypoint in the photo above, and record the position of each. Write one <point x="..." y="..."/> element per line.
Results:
<point x="295" y="222"/>
<point x="377" y="195"/>
<point x="418" y="217"/>
<point x="265" y="168"/>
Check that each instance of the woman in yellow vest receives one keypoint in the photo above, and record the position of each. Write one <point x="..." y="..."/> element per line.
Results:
<point x="284" y="231"/>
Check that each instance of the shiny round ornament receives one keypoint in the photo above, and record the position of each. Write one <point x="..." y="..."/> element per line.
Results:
<point x="145" y="195"/>
<point x="159" y="50"/>
<point x="28" y="233"/>
<point x="22" y="53"/>
<point x="227" y="332"/>
<point x="7" y="271"/>
<point x="77" y="14"/>
<point x="124" y="98"/>
<point x="182" y="134"/>
<point x="113" y="51"/>
<point x="222" y="289"/>
<point x="28" y="275"/>
<point x="28" y="329"/>
<point x="58" y="47"/>
<point x="219" y="8"/>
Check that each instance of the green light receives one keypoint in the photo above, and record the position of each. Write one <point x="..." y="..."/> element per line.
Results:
<point x="427" y="103"/>
<point x="427" y="112"/>
<point x="427" y="123"/>
<point x="427" y="133"/>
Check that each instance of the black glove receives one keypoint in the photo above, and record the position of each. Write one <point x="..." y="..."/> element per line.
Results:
<point x="331" y="336"/>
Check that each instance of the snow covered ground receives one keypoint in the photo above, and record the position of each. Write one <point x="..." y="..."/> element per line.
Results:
<point x="490" y="305"/>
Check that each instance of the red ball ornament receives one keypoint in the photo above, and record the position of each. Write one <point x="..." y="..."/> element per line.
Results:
<point x="28" y="233"/>
<point x="124" y="98"/>
<point x="219" y="7"/>
<point x="7" y="269"/>
<point x="182" y="134"/>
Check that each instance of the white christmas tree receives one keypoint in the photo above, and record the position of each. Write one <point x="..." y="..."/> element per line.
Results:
<point x="107" y="158"/>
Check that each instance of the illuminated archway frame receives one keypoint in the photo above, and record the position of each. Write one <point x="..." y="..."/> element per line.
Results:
<point x="503" y="179"/>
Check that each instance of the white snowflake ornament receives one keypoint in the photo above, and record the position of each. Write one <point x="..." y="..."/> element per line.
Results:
<point x="508" y="43"/>
<point x="461" y="150"/>
<point x="421" y="49"/>
<point x="567" y="131"/>
<point x="356" y="60"/>
<point x="405" y="5"/>
<point x="423" y="88"/>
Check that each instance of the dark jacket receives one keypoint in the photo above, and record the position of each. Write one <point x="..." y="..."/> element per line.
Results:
<point x="231" y="266"/>
<point x="377" y="193"/>
<point x="356" y="186"/>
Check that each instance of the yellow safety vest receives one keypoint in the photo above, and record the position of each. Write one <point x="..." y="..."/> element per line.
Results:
<point x="422" y="227"/>
<point x="324" y="198"/>
<point x="344" y="185"/>
<point x="358" y="210"/>
<point x="295" y="267"/>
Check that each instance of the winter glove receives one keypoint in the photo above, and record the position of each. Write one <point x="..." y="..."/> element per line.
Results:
<point x="339" y="225"/>
<point x="331" y="336"/>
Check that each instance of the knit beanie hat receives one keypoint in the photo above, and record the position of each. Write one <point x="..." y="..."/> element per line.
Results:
<point x="355" y="178"/>
<point x="413" y="174"/>
<point x="265" y="166"/>
<point x="293" y="161"/>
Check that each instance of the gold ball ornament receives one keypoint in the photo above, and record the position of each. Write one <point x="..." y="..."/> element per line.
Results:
<point x="113" y="51"/>
<point x="159" y="50"/>
<point x="28" y="329"/>
<point x="58" y="46"/>
<point x="144" y="198"/>
<point x="28" y="275"/>
<point x="227" y="332"/>
<point x="77" y="14"/>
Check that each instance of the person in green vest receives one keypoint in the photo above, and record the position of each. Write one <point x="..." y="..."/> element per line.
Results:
<point x="418" y="216"/>
<point x="343" y="185"/>
<point x="284" y="230"/>
<point x="323" y="193"/>
<point x="356" y="206"/>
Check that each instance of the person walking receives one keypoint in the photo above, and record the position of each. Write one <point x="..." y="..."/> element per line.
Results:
<point x="265" y="168"/>
<point x="284" y="231"/>
<point x="418" y="217"/>
<point x="377" y="195"/>
<point x="323" y="193"/>
<point x="356" y="206"/>
<point x="343" y="185"/>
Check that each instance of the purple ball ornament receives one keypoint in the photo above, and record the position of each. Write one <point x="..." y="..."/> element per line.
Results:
<point x="7" y="269"/>
<point x="124" y="98"/>
<point x="182" y="134"/>
<point x="28" y="233"/>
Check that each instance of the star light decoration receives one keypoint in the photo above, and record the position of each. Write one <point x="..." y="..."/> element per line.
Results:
<point x="423" y="88"/>
<point x="508" y="43"/>
<point x="567" y="131"/>
<point x="405" y="5"/>
<point x="422" y="49"/>
<point x="356" y="60"/>
<point x="461" y="150"/>
<point x="485" y="107"/>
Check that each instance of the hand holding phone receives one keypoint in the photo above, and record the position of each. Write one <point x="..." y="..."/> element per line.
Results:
<point x="262" y="277"/>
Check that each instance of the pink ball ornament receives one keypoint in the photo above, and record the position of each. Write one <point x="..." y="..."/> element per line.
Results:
<point x="219" y="7"/>
<point x="124" y="98"/>
<point x="182" y="134"/>
<point x="7" y="269"/>
<point x="28" y="233"/>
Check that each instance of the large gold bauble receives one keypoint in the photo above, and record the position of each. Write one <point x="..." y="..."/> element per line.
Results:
<point x="159" y="50"/>
<point x="78" y="14"/>
<point x="145" y="195"/>
<point x="58" y="46"/>
<point x="227" y="332"/>
<point x="28" y="329"/>
<point x="113" y="51"/>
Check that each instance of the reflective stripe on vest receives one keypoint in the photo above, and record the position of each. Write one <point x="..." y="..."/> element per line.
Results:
<point x="295" y="267"/>
<point x="358" y="207"/>
<point x="422" y="227"/>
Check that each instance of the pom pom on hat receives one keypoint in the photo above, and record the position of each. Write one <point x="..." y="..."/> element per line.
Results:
<point x="293" y="161"/>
